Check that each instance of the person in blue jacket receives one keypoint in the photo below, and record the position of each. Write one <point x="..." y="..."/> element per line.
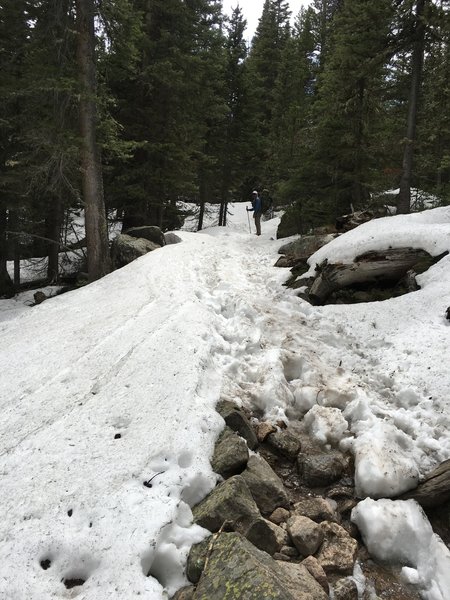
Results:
<point x="257" y="211"/>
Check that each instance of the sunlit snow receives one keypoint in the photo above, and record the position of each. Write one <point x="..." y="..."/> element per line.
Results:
<point x="108" y="395"/>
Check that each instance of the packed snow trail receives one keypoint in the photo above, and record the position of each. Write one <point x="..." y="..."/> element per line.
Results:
<point x="108" y="420"/>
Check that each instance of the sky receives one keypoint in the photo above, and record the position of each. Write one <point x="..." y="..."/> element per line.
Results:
<point x="107" y="398"/>
<point x="252" y="10"/>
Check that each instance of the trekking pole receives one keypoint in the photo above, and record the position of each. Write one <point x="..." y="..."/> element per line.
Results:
<point x="249" y="228"/>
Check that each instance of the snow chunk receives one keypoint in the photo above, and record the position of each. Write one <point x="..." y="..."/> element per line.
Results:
<point x="327" y="425"/>
<point x="399" y="532"/>
<point x="384" y="466"/>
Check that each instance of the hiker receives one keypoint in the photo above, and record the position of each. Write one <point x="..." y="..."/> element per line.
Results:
<point x="257" y="211"/>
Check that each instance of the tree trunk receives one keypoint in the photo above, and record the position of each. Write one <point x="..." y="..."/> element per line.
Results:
<point x="404" y="197"/>
<point x="53" y="224"/>
<point x="99" y="263"/>
<point x="6" y="285"/>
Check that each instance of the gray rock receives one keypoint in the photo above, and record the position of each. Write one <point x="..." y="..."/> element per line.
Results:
<point x="345" y="589"/>
<point x="236" y="570"/>
<point x="262" y="535"/>
<point x="305" y="534"/>
<point x="231" y="501"/>
<point x="314" y="567"/>
<point x="125" y="249"/>
<point x="196" y="559"/>
<point x="172" y="238"/>
<point x="302" y="248"/>
<point x="289" y="551"/>
<point x="320" y="470"/>
<point x="315" y="508"/>
<point x="265" y="486"/>
<point x="337" y="553"/>
<point x="237" y="421"/>
<point x="148" y="232"/>
<point x="186" y="593"/>
<point x="279" y="515"/>
<point x="285" y="443"/>
<point x="230" y="454"/>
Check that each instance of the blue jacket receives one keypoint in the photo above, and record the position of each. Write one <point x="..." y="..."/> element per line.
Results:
<point x="256" y="206"/>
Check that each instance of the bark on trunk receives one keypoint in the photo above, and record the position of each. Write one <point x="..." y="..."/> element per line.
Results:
<point x="92" y="184"/>
<point x="54" y="223"/>
<point x="404" y="196"/>
<point x="6" y="285"/>
<point x="435" y="489"/>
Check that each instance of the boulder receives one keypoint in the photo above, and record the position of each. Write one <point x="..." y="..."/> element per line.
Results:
<point x="236" y="570"/>
<point x="337" y="553"/>
<point x="231" y="501"/>
<point x="172" y="238"/>
<point x="265" y="486"/>
<point x="315" y="508"/>
<point x="305" y="534"/>
<point x="197" y="558"/>
<point x="264" y="535"/>
<point x="302" y="248"/>
<point x="314" y="567"/>
<point x="320" y="470"/>
<point x="148" y="232"/>
<point x="125" y="249"/>
<point x="39" y="297"/>
<point x="230" y="455"/>
<point x="285" y="443"/>
<point x="236" y="420"/>
<point x="345" y="589"/>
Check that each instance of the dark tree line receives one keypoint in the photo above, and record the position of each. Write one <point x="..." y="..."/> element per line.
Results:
<point x="123" y="108"/>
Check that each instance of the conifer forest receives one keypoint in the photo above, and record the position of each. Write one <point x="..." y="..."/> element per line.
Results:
<point x="126" y="109"/>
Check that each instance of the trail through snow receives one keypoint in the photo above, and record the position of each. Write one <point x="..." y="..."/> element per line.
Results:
<point x="108" y="394"/>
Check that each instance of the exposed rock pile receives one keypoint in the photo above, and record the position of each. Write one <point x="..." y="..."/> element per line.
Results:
<point x="280" y="521"/>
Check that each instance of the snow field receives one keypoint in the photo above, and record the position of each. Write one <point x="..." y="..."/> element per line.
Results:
<point x="146" y="352"/>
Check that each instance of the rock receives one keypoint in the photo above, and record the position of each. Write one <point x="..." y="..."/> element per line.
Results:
<point x="263" y="430"/>
<point x="281" y="556"/>
<point x="261" y="533"/>
<point x="301" y="579"/>
<point x="172" y="238"/>
<point x="39" y="297"/>
<point x="302" y="248"/>
<point x="345" y="589"/>
<point x="236" y="570"/>
<point x="186" y="593"/>
<point x="321" y="469"/>
<point x="231" y="501"/>
<point x="148" y="232"/>
<point x="230" y="454"/>
<point x="289" y="551"/>
<point x="314" y="567"/>
<point x="305" y="534"/>
<point x="447" y="314"/>
<point x="265" y="486"/>
<point x="196" y="559"/>
<point x="338" y="551"/>
<point x="125" y="249"/>
<point x="237" y="421"/>
<point x="341" y="491"/>
<point x="352" y="220"/>
<point x="281" y="535"/>
<point x="279" y="515"/>
<point x="285" y="443"/>
<point x="315" y="508"/>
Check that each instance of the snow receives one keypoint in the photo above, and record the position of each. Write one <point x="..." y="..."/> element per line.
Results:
<point x="108" y="396"/>
<point x="399" y="532"/>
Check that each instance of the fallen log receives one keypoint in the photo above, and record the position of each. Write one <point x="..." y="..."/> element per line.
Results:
<point x="434" y="490"/>
<point x="372" y="267"/>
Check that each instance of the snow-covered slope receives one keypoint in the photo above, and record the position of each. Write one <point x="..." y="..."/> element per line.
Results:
<point x="108" y="393"/>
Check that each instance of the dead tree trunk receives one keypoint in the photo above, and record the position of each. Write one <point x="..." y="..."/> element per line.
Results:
<point x="92" y="183"/>
<point x="6" y="285"/>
